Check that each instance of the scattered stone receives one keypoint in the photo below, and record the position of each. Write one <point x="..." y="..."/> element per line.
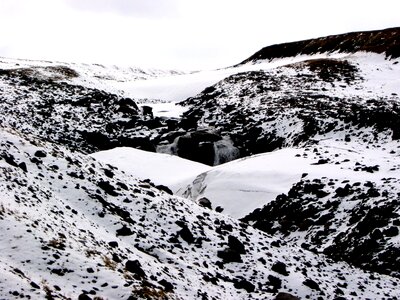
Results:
<point x="186" y="235"/>
<point x="204" y="202"/>
<point x="280" y="268"/>
<point x="245" y="285"/>
<point x="124" y="231"/>
<point x="285" y="296"/>
<point x="311" y="284"/>
<point x="135" y="267"/>
<point x="40" y="153"/>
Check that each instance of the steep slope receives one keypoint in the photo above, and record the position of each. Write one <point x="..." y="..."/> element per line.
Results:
<point x="266" y="110"/>
<point x="72" y="226"/>
<point x="81" y="118"/>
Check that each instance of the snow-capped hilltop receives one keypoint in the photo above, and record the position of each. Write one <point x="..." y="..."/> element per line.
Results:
<point x="385" y="41"/>
<point x="105" y="77"/>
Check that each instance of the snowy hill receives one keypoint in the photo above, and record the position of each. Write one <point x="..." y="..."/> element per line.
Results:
<point x="98" y="76"/>
<point x="284" y="182"/>
<point x="93" y="230"/>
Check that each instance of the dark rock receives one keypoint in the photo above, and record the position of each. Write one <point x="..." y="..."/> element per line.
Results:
<point x="188" y="122"/>
<point x="142" y="143"/>
<point x="34" y="285"/>
<point x="168" y="287"/>
<point x="219" y="209"/>
<point x="40" y="153"/>
<point x="122" y="186"/>
<point x="10" y="159"/>
<point x="311" y="284"/>
<point x="204" y="202"/>
<point x="192" y="149"/>
<point x="229" y="256"/>
<point x="147" y="111"/>
<point x="280" y="268"/>
<point x="113" y="244"/>
<point x="186" y="235"/>
<point x="108" y="173"/>
<point x="235" y="245"/>
<point x="274" y="284"/>
<point x="164" y="189"/>
<point x="213" y="280"/>
<point x="97" y="139"/>
<point x="128" y="110"/>
<point x="373" y="192"/>
<point x="84" y="297"/>
<point x="245" y="285"/>
<point x="285" y="296"/>
<point x="23" y="166"/>
<point x="108" y="188"/>
<point x="172" y="124"/>
<point x="124" y="231"/>
<point x="116" y="258"/>
<point x="391" y="231"/>
<point x="135" y="267"/>
<point x="128" y="102"/>
<point x="152" y="123"/>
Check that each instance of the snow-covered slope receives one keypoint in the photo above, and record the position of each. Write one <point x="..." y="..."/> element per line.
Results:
<point x="72" y="226"/>
<point x="245" y="184"/>
<point x="164" y="169"/>
<point x="106" y="78"/>
<point x="179" y="87"/>
<point x="314" y="129"/>
<point x="336" y="197"/>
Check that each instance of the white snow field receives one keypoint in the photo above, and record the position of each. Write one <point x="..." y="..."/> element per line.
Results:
<point x="161" y="168"/>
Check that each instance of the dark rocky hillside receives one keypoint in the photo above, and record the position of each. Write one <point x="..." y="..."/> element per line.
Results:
<point x="81" y="118"/>
<point x="261" y="111"/>
<point x="357" y="222"/>
<point x="380" y="41"/>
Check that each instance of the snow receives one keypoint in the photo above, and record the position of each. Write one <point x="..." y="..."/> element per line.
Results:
<point x="243" y="185"/>
<point x="165" y="109"/>
<point x="105" y="77"/>
<point x="161" y="168"/>
<point x="56" y="225"/>
<point x="381" y="76"/>
<point x="61" y="195"/>
<point x="180" y="87"/>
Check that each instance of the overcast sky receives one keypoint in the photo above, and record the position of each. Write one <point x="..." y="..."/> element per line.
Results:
<point x="182" y="34"/>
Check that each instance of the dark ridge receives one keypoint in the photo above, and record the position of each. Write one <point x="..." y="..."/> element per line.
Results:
<point x="379" y="41"/>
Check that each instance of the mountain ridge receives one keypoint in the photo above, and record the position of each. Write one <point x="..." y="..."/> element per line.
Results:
<point x="385" y="41"/>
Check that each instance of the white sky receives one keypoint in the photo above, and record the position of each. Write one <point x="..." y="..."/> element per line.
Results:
<point x="182" y="34"/>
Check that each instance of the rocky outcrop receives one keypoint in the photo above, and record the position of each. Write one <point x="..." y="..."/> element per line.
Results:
<point x="380" y="41"/>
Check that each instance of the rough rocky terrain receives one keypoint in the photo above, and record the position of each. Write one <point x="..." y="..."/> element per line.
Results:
<point x="309" y="210"/>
